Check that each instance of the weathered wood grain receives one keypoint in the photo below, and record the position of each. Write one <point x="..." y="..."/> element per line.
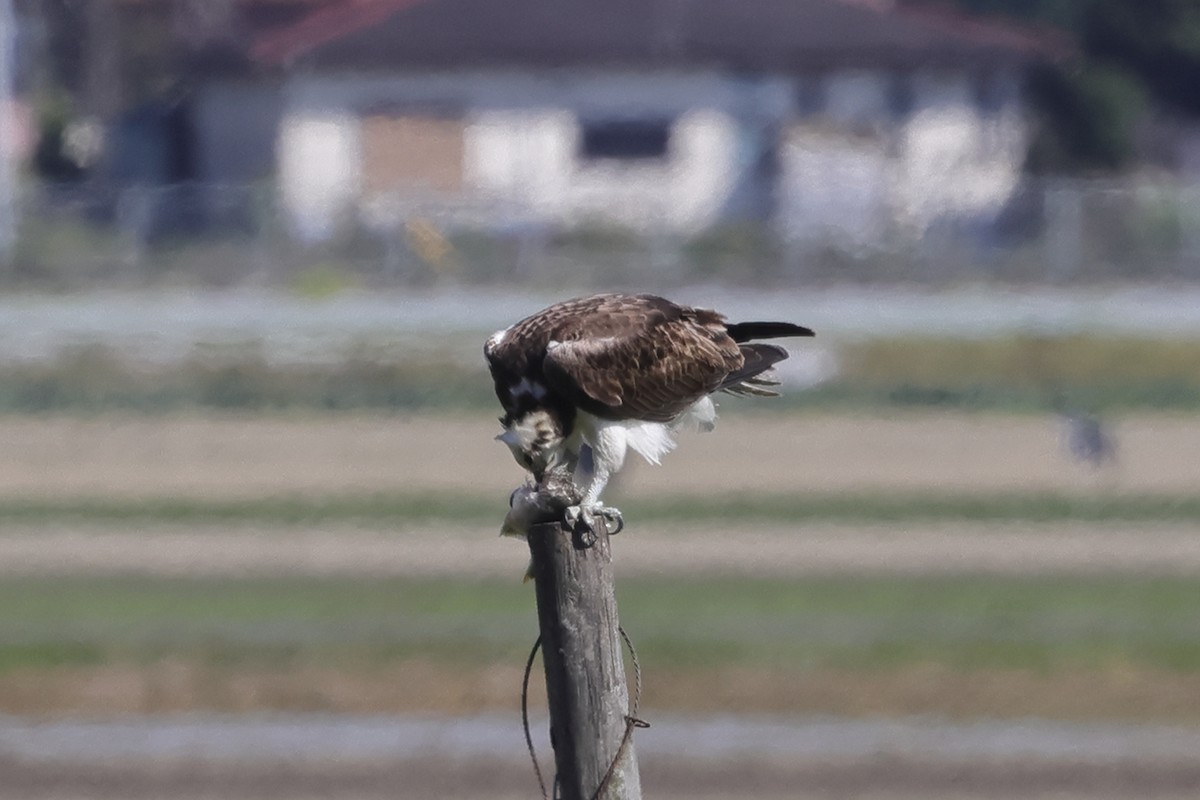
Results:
<point x="581" y="651"/>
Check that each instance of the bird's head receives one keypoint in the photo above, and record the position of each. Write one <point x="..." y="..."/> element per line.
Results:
<point x="536" y="441"/>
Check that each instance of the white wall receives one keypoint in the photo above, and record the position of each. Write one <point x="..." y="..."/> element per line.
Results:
<point x="853" y="170"/>
<point x="532" y="157"/>
<point x="835" y="189"/>
<point x="954" y="159"/>
<point x="856" y="171"/>
<point x="522" y="141"/>
<point x="524" y="155"/>
<point x="320" y="174"/>
<point x="955" y="163"/>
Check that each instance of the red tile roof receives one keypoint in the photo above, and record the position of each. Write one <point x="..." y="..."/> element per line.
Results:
<point x="780" y="35"/>
<point x="992" y="31"/>
<point x="328" y="24"/>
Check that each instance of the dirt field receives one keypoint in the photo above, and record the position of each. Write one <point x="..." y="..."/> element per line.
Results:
<point x="418" y="686"/>
<point x="724" y="759"/>
<point x="229" y="457"/>
<point x="764" y="551"/>
<point x="238" y="457"/>
<point x="873" y="779"/>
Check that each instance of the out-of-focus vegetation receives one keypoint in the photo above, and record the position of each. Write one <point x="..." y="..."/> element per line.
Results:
<point x="238" y="378"/>
<point x="1012" y="373"/>
<point x="970" y="642"/>
<point x="417" y="508"/>
<point x="1130" y="56"/>
<point x="1127" y="230"/>
<point x="1025" y="371"/>
<point x="1131" y="53"/>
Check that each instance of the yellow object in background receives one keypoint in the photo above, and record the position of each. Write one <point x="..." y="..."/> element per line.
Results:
<point x="428" y="243"/>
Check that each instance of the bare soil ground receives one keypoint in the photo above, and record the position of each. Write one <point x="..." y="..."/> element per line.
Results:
<point x="230" y="457"/>
<point x="252" y="456"/>
<point x="763" y="551"/>
<point x="876" y="779"/>
<point x="756" y="756"/>
<point x="1136" y="694"/>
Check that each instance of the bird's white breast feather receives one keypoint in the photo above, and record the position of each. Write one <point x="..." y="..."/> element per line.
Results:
<point x="650" y="440"/>
<point x="610" y="438"/>
<point x="702" y="416"/>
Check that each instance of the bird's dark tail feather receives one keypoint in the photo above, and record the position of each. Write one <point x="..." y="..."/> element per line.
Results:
<point x="746" y="331"/>
<point x="753" y="378"/>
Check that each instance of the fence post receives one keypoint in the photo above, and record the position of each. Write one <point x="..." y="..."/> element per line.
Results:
<point x="582" y="655"/>
<point x="1063" y="237"/>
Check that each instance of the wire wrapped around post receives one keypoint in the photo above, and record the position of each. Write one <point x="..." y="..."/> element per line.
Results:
<point x="591" y="714"/>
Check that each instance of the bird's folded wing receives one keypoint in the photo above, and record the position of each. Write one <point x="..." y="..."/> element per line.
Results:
<point x="650" y="377"/>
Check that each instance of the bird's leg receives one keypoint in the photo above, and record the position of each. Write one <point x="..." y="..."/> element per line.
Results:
<point x="592" y="476"/>
<point x="590" y="507"/>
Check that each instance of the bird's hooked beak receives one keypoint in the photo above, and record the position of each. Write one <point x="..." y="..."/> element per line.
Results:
<point x="536" y="442"/>
<point x="556" y="459"/>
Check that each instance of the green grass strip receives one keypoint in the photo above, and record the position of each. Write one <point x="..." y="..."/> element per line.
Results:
<point x="1025" y="372"/>
<point x="1042" y="624"/>
<point x="429" y="507"/>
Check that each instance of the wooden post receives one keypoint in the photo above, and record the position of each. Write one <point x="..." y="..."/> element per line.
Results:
<point x="582" y="654"/>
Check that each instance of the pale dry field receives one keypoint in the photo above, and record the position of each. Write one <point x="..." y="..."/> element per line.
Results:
<point x="1015" y="549"/>
<point x="230" y="456"/>
<point x="245" y="457"/>
<point x="685" y="779"/>
<point x="236" y="457"/>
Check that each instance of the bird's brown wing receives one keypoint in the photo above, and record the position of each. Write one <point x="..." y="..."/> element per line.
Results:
<point x="653" y="369"/>
<point x="518" y="351"/>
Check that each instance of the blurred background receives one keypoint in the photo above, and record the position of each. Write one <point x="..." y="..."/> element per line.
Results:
<point x="250" y="250"/>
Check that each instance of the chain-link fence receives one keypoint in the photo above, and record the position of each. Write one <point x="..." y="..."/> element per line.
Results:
<point x="1050" y="232"/>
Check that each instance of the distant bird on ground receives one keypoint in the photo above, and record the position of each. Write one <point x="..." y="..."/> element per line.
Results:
<point x="584" y="380"/>
<point x="1088" y="439"/>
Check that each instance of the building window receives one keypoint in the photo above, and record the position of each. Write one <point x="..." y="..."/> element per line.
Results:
<point x="811" y="96"/>
<point x="901" y="95"/>
<point x="625" y="139"/>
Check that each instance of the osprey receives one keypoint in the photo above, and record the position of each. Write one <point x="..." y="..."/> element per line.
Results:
<point x="584" y="380"/>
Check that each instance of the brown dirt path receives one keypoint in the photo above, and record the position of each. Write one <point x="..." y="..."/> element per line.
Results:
<point x="252" y="456"/>
<point x="762" y="551"/>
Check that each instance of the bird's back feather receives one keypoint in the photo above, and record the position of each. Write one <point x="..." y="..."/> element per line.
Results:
<point x="630" y="357"/>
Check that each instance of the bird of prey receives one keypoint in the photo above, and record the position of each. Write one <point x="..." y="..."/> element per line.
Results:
<point x="584" y="380"/>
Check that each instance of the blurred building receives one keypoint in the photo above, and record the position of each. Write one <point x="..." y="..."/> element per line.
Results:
<point x="826" y="118"/>
<point x="213" y="118"/>
<point x="134" y="106"/>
